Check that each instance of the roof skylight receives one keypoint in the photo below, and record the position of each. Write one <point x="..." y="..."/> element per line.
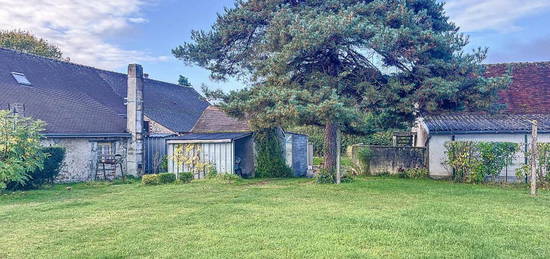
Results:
<point x="21" y="78"/>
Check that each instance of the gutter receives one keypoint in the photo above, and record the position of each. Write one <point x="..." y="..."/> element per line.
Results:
<point x="87" y="135"/>
<point x="464" y="132"/>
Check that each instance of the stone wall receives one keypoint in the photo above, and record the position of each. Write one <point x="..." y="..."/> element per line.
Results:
<point x="156" y="128"/>
<point x="81" y="157"/>
<point x="387" y="159"/>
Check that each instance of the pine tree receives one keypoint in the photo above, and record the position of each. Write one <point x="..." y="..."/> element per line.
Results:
<point x="332" y="63"/>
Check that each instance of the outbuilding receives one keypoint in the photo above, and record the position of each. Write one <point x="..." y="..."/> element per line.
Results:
<point x="433" y="132"/>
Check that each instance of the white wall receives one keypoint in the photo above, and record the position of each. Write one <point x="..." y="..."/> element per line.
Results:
<point x="222" y="155"/>
<point x="436" y="149"/>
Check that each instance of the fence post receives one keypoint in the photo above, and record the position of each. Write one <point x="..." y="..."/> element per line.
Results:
<point x="534" y="157"/>
<point x="338" y="154"/>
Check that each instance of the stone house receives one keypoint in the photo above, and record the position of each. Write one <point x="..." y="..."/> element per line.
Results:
<point x="527" y="99"/>
<point x="101" y="116"/>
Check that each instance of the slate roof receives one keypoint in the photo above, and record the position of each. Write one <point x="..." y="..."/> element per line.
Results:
<point x="212" y="136"/>
<point x="529" y="92"/>
<point x="215" y="120"/>
<point x="485" y="123"/>
<point x="74" y="98"/>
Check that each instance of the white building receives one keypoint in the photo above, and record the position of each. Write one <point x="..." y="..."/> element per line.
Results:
<point x="527" y="98"/>
<point x="433" y="132"/>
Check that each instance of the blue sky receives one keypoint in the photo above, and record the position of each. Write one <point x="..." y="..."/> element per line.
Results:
<point x="109" y="34"/>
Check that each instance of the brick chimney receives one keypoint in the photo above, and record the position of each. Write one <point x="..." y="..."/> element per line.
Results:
<point x="134" y="115"/>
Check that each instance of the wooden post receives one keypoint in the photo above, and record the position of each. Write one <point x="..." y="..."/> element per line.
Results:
<point x="534" y="157"/>
<point x="338" y="152"/>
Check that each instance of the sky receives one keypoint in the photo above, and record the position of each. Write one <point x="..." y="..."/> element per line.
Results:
<point x="110" y="34"/>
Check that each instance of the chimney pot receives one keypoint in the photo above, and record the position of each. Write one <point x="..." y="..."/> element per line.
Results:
<point x="145" y="75"/>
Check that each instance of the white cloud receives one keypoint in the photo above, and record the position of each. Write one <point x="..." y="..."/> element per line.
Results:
<point x="498" y="15"/>
<point x="138" y="20"/>
<point x="79" y="27"/>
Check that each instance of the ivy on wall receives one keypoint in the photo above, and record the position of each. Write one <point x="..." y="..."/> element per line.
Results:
<point x="270" y="160"/>
<point x="474" y="161"/>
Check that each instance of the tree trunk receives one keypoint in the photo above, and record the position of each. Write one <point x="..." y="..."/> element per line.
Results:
<point x="330" y="146"/>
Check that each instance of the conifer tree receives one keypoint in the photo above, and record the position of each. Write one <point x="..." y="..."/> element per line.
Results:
<point x="332" y="63"/>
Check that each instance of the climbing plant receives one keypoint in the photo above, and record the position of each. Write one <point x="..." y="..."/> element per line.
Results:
<point x="270" y="160"/>
<point x="543" y="170"/>
<point x="474" y="161"/>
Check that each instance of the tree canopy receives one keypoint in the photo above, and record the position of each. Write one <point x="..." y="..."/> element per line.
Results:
<point x="341" y="63"/>
<point x="184" y="81"/>
<point x="28" y="43"/>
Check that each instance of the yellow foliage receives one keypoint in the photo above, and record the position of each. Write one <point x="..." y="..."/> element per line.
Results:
<point x="188" y="156"/>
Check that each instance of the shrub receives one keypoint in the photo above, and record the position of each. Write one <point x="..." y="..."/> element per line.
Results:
<point x="212" y="172"/>
<point x="186" y="177"/>
<point x="270" y="160"/>
<point x="20" y="152"/>
<point x="474" y="161"/>
<point x="414" y="173"/>
<point x="543" y="164"/>
<point x="328" y="177"/>
<point x="150" y="179"/>
<point x="46" y="173"/>
<point x="325" y="177"/>
<point x="165" y="178"/>
<point x="347" y="178"/>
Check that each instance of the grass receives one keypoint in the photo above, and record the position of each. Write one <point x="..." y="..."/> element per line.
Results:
<point x="344" y="161"/>
<point x="370" y="217"/>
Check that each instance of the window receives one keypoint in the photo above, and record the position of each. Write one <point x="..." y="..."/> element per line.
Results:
<point x="21" y="78"/>
<point x="105" y="149"/>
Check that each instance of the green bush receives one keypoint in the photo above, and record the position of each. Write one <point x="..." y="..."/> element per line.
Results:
<point x="347" y="178"/>
<point x="20" y="148"/>
<point x="543" y="164"/>
<point x="328" y="177"/>
<point x="44" y="174"/>
<point x="270" y="160"/>
<point x="325" y="177"/>
<point x="166" y="178"/>
<point x="186" y="177"/>
<point x="212" y="172"/>
<point x="150" y="179"/>
<point x="414" y="173"/>
<point x="474" y="161"/>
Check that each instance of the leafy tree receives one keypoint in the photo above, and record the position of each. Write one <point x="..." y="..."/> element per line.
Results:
<point x="26" y="42"/>
<point x="337" y="64"/>
<point x="184" y="81"/>
<point x="20" y="150"/>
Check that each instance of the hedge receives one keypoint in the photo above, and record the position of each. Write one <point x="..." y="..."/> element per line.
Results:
<point x="50" y="170"/>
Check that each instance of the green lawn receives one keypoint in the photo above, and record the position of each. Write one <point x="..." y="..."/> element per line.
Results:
<point x="371" y="217"/>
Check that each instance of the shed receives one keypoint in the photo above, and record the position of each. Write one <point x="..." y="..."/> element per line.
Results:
<point x="230" y="153"/>
<point x="436" y="130"/>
